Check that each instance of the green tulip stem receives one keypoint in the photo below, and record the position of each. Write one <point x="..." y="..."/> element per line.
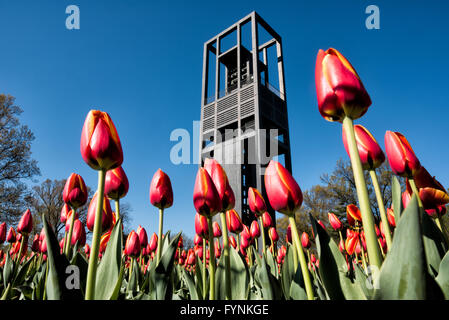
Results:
<point x="68" y="243"/>
<point x="226" y="256"/>
<point x="159" y="242"/>
<point x="237" y="239"/>
<point x="256" y="244"/>
<point x="211" y="260"/>
<point x="117" y="209"/>
<point x="372" y="245"/>
<point x="93" y="261"/>
<point x="204" y="269"/>
<point x="6" y="292"/>
<point x="380" y="203"/>
<point x="264" y="246"/>
<point x="416" y="192"/>
<point x="131" y="265"/>
<point x="302" y="258"/>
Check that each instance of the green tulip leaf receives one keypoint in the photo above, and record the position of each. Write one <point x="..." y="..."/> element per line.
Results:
<point x="297" y="287"/>
<point x="434" y="246"/>
<point x="162" y="272"/>
<point x="403" y="273"/>
<point x="133" y="285"/>
<point x="199" y="277"/>
<point x="56" y="287"/>
<point x="8" y="270"/>
<point x="23" y="270"/>
<point x="108" y="272"/>
<point x="262" y="278"/>
<point x="190" y="285"/>
<point x="288" y="271"/>
<point x="443" y="276"/>
<point x="333" y="269"/>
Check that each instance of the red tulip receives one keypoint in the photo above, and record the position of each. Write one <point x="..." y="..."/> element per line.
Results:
<point x="161" y="193"/>
<point x="232" y="241"/>
<point x="106" y="213"/>
<point x="153" y="242"/>
<point x="64" y="212"/>
<point x="132" y="246"/>
<point x="221" y="182"/>
<point x="244" y="240"/>
<point x="78" y="234"/>
<point x="255" y="229"/>
<point x="201" y="226"/>
<point x="283" y="192"/>
<point x="205" y="196"/>
<point x="143" y="238"/>
<point x="305" y="241"/>
<point x="351" y="243"/>
<point x="191" y="257"/>
<point x="116" y="183"/>
<point x="11" y="235"/>
<point x="390" y="217"/>
<point x="437" y="212"/>
<point x="69" y="220"/>
<point x="216" y="229"/>
<point x="217" y="249"/>
<point x="180" y="242"/>
<point x="273" y="234"/>
<point x="353" y="212"/>
<point x="100" y="144"/>
<point x="406" y="197"/>
<point x="334" y="221"/>
<point x="341" y="246"/>
<point x="431" y="192"/>
<point x="35" y="244"/>
<point x="104" y="240"/>
<point x="233" y="221"/>
<point x="2" y="232"/>
<point x="87" y="249"/>
<point x="199" y="252"/>
<point x="75" y="191"/>
<point x="267" y="221"/>
<point x="289" y="234"/>
<point x="339" y="89"/>
<point x="43" y="245"/>
<point x="197" y="240"/>
<point x="26" y="223"/>
<point x="401" y="157"/>
<point x="61" y="245"/>
<point x="256" y="202"/>
<point x="370" y="152"/>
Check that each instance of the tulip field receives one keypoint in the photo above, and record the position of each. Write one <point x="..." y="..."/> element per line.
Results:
<point x="402" y="255"/>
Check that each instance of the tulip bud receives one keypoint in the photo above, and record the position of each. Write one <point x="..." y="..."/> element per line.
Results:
<point x="132" y="247"/>
<point x="61" y="245"/>
<point x="197" y="240"/>
<point x="221" y="182"/>
<point x="153" y="242"/>
<point x="143" y="238"/>
<point x="339" y="89"/>
<point x="69" y="220"/>
<point x="75" y="191"/>
<point x="341" y="246"/>
<point x="104" y="241"/>
<point x="334" y="221"/>
<point x="87" y="249"/>
<point x="217" y="249"/>
<point x="353" y="213"/>
<point x="116" y="183"/>
<point x="26" y="223"/>
<point x="232" y="241"/>
<point x="201" y="226"/>
<point x="256" y="202"/>
<point x="390" y="217"/>
<point x="64" y="212"/>
<point x="2" y="232"/>
<point x="35" y="244"/>
<point x="283" y="192"/>
<point x="216" y="229"/>
<point x="43" y="245"/>
<point x="289" y="234"/>
<point x="191" y="257"/>
<point x="11" y="235"/>
<point x="431" y="192"/>
<point x="106" y="213"/>
<point x="78" y="234"/>
<point x="267" y="220"/>
<point x="180" y="242"/>
<point x="233" y="221"/>
<point x="255" y="229"/>
<point x="273" y="234"/>
<point x="161" y="193"/>
<point x="371" y="155"/>
<point x="351" y="243"/>
<point x="305" y="241"/>
<point x="100" y="144"/>
<point x="401" y="157"/>
<point x="205" y="196"/>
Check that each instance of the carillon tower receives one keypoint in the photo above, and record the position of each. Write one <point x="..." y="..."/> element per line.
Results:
<point x="244" y="121"/>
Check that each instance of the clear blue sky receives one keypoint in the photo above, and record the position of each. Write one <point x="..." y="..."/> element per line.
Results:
<point x="141" y="62"/>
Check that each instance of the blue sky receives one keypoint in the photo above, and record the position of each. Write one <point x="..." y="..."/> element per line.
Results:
<point x="141" y="62"/>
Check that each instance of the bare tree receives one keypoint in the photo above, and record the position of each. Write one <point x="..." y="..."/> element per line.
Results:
<point x="16" y="164"/>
